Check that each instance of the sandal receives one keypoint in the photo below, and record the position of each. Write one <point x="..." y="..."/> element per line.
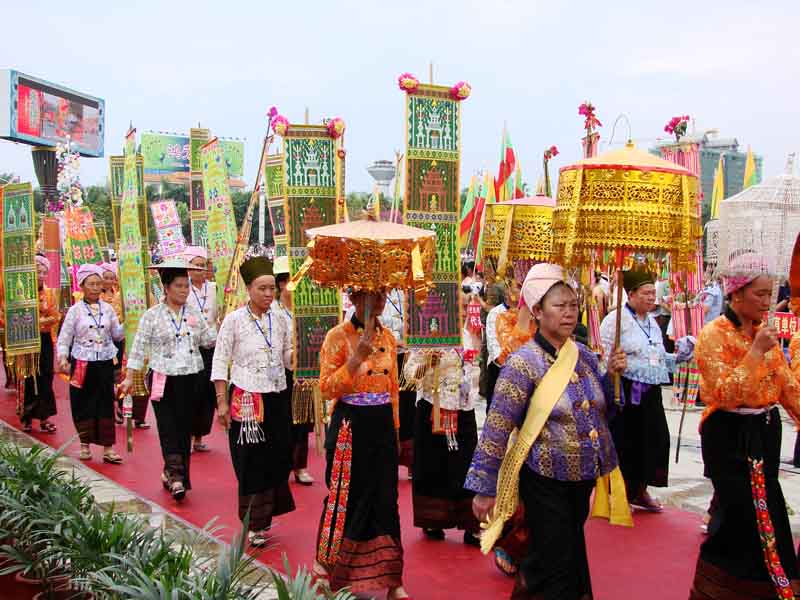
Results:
<point x="177" y="490"/>
<point x="112" y="458"/>
<point x="47" y="427"/>
<point x="502" y="560"/>
<point x="647" y="503"/>
<point x="200" y="447"/>
<point x="257" y="539"/>
<point x="86" y="453"/>
<point x="164" y="480"/>
<point x="27" y="427"/>
<point x="303" y="477"/>
<point x="141" y="425"/>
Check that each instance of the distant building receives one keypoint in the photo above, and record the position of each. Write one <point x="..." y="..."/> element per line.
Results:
<point x="711" y="146"/>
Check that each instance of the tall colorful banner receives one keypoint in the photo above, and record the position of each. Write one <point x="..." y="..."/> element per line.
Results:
<point x="198" y="216"/>
<point x="221" y="231"/>
<point x="309" y="191"/>
<point x="51" y="245"/>
<point x="431" y="201"/>
<point x="131" y="266"/>
<point x="21" y="310"/>
<point x="82" y="243"/>
<point x="274" y="185"/>
<point x="168" y="228"/>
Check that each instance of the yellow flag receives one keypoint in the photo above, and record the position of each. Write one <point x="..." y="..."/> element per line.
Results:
<point x="718" y="192"/>
<point x="750" y="169"/>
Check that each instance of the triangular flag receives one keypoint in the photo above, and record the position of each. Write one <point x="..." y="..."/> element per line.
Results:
<point x="718" y="192"/>
<point x="750" y="177"/>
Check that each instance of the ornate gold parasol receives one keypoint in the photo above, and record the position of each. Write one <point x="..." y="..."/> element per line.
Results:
<point x="520" y="229"/>
<point x="621" y="203"/>
<point x="370" y="255"/>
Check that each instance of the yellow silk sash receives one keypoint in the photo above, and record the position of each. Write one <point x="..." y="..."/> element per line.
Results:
<point x="544" y="399"/>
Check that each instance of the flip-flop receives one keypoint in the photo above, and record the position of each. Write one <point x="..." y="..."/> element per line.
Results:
<point x="85" y="454"/>
<point x="47" y="427"/>
<point x="27" y="427"/>
<point x="502" y="555"/>
<point x="112" y="458"/>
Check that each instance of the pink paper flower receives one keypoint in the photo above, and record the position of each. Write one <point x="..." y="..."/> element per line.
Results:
<point x="280" y="125"/>
<point x="408" y="83"/>
<point x="461" y="91"/>
<point x="550" y="152"/>
<point x="336" y="127"/>
<point x="272" y="113"/>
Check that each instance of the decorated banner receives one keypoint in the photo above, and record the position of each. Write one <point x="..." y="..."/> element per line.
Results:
<point x="166" y="153"/>
<point x="168" y="228"/>
<point x="51" y="246"/>
<point x="431" y="201"/>
<point x="276" y="202"/>
<point x="309" y="190"/>
<point x="21" y="310"/>
<point x="131" y="265"/>
<point x="198" y="217"/>
<point x="82" y="243"/>
<point x="221" y="230"/>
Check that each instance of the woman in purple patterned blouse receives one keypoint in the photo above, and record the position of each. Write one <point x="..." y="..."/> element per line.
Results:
<point x="573" y="449"/>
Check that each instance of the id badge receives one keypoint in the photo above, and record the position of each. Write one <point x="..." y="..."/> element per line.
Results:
<point x="655" y="356"/>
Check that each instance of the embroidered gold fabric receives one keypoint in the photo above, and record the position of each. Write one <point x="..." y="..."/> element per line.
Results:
<point x="531" y="235"/>
<point x="625" y="199"/>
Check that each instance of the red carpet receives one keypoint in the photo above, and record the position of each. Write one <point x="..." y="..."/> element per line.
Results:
<point x="654" y="560"/>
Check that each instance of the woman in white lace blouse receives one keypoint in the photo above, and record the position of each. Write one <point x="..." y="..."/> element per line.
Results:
<point x="169" y="337"/>
<point x="253" y="403"/>
<point x="87" y="352"/>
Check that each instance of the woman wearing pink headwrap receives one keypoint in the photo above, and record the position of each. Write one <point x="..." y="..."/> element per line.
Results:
<point x="743" y="377"/>
<point x="86" y="350"/>
<point x="552" y="391"/>
<point x="39" y="402"/>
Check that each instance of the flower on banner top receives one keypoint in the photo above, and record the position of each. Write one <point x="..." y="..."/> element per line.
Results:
<point x="280" y="125"/>
<point x="408" y="83"/>
<point x="591" y="122"/>
<point x="341" y="153"/>
<point x="336" y="127"/>
<point x="677" y="126"/>
<point x="461" y="90"/>
<point x="550" y="152"/>
<point x="272" y="113"/>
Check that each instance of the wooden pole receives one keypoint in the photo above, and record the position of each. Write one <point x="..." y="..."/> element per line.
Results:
<point x="618" y="332"/>
<point x="430" y="72"/>
<point x="307" y="119"/>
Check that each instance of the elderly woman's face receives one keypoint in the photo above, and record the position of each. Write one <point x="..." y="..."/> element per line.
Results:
<point x="557" y="313"/>
<point x="753" y="300"/>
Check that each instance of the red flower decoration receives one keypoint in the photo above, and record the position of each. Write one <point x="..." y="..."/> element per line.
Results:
<point x="460" y="91"/>
<point x="591" y="122"/>
<point x="272" y="113"/>
<point x="341" y="153"/>
<point x="280" y="125"/>
<point x="550" y="152"/>
<point x="336" y="127"/>
<point x="408" y="83"/>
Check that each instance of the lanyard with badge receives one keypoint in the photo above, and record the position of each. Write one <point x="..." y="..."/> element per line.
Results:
<point x="274" y="367"/>
<point x="99" y="337"/>
<point x="181" y="358"/>
<point x="654" y="353"/>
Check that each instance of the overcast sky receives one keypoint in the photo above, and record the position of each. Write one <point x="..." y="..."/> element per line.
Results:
<point x="166" y="66"/>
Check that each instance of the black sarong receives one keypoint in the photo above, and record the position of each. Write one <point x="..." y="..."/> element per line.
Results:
<point x="299" y="431"/>
<point x="39" y="399"/>
<point x="641" y="436"/>
<point x="92" y="405"/>
<point x="440" y="500"/>
<point x="371" y="555"/>
<point x="206" y="401"/>
<point x="556" y="566"/>
<point x="173" y="419"/>
<point x="731" y="562"/>
<point x="262" y="469"/>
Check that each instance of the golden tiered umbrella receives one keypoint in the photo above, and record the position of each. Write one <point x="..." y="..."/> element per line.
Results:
<point x="622" y="203"/>
<point x="371" y="255"/>
<point x="519" y="229"/>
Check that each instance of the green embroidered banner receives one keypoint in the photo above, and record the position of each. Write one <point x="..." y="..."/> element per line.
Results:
<point x="131" y="266"/>
<point x="432" y="201"/>
<point x="309" y="191"/>
<point x="276" y="202"/>
<point x="82" y="242"/>
<point x="21" y="311"/>
<point x="198" y="215"/>
<point x="221" y="221"/>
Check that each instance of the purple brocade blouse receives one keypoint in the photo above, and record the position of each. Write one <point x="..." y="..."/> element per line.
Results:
<point x="575" y="443"/>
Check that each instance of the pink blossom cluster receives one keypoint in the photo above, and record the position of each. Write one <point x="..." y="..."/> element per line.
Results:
<point x="551" y="152"/>
<point x="587" y="110"/>
<point x="408" y="83"/>
<point x="677" y="125"/>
